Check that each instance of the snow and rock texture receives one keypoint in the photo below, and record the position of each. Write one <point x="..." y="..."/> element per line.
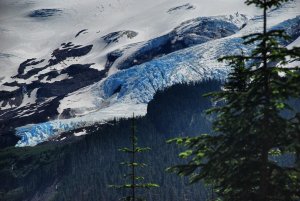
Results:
<point x="68" y="64"/>
<point x="187" y="34"/>
<point x="180" y="8"/>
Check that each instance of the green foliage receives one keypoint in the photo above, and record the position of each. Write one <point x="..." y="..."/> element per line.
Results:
<point x="251" y="125"/>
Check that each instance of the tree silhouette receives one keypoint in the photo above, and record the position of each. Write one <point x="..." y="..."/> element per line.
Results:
<point x="135" y="181"/>
<point x="254" y="126"/>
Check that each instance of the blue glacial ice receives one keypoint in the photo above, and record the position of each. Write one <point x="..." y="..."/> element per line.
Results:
<point x="31" y="135"/>
<point x="138" y="84"/>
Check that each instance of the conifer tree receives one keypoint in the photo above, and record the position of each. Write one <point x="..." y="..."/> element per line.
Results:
<point x="135" y="180"/>
<point x="254" y="124"/>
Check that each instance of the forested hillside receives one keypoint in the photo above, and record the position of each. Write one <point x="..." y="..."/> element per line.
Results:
<point x="81" y="168"/>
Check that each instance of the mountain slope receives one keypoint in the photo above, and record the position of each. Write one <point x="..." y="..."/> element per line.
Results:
<point x="91" y="76"/>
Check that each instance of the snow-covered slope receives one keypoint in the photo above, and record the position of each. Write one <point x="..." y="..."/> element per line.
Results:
<point x="97" y="60"/>
<point x="27" y="33"/>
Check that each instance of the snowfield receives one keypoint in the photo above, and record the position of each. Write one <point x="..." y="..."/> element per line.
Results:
<point x="106" y="59"/>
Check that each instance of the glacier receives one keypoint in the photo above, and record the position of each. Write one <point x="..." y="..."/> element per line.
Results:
<point x="137" y="85"/>
<point x="31" y="135"/>
<point x="129" y="90"/>
<point x="34" y="134"/>
<point x="198" y="63"/>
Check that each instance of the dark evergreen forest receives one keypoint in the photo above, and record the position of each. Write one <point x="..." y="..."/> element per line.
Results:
<point x="81" y="168"/>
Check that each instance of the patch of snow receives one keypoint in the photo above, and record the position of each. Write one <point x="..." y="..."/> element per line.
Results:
<point x="29" y="98"/>
<point x="6" y="106"/>
<point x="295" y="43"/>
<point x="57" y="79"/>
<point x="83" y="132"/>
<point x="8" y="88"/>
<point x="63" y="138"/>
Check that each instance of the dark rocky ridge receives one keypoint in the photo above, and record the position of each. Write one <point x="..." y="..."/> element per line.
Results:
<point x="182" y="7"/>
<point x="28" y="62"/>
<point x="48" y="93"/>
<point x="83" y="31"/>
<point x="114" y="37"/>
<point x="69" y="50"/>
<point x="44" y="13"/>
<point x="189" y="33"/>
<point x="48" y="97"/>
